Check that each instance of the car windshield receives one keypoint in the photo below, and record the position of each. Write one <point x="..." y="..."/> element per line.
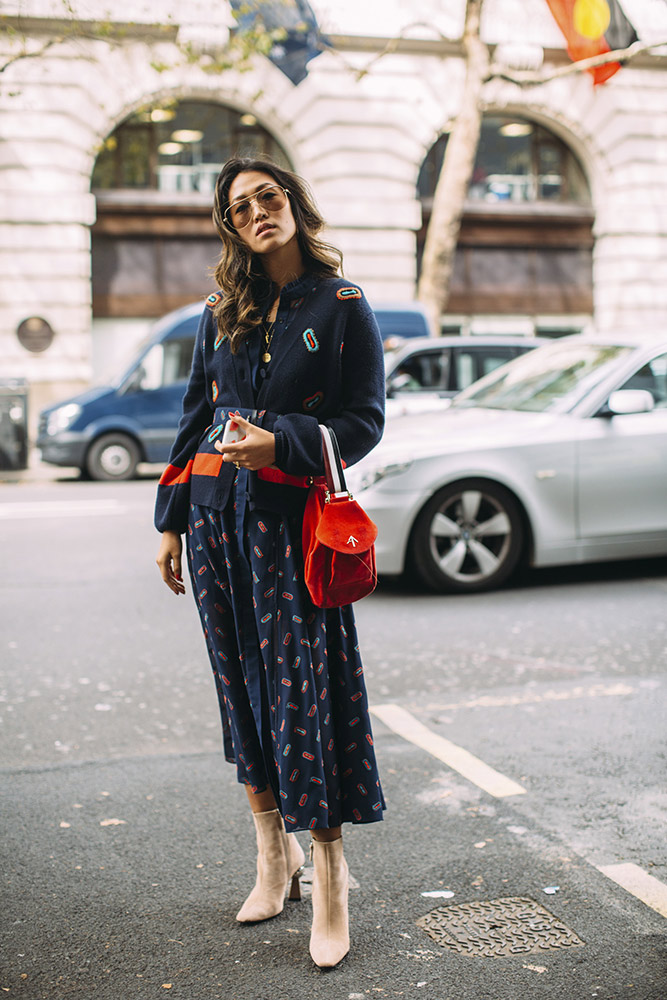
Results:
<point x="551" y="378"/>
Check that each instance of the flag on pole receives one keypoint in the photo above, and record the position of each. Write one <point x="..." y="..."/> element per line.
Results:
<point x="592" y="27"/>
<point x="302" y="39"/>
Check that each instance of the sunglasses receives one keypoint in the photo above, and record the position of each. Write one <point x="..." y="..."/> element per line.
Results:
<point x="270" y="199"/>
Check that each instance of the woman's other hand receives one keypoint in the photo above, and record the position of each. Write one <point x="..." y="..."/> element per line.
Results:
<point x="255" y="451"/>
<point x="169" y="561"/>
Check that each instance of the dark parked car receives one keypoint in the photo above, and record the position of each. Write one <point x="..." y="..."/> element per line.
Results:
<point x="400" y="322"/>
<point x="107" y="430"/>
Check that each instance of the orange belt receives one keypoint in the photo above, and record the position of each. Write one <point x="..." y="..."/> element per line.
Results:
<point x="273" y="475"/>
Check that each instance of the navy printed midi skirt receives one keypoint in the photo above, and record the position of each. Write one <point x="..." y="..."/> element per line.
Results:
<point x="288" y="675"/>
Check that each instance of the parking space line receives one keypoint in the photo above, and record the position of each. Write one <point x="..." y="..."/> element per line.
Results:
<point x="635" y="880"/>
<point x="534" y="698"/>
<point x="466" y="764"/>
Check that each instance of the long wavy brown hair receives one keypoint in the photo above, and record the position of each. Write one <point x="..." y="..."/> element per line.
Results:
<point x="239" y="273"/>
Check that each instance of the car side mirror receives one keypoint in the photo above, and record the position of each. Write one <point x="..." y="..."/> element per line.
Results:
<point x="397" y="383"/>
<point x="626" y="401"/>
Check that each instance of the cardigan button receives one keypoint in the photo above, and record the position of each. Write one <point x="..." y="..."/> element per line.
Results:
<point x="262" y="372"/>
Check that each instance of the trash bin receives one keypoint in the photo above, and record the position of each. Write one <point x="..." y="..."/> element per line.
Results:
<point x="13" y="423"/>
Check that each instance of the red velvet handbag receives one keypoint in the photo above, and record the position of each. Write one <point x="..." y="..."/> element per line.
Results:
<point x="338" y="537"/>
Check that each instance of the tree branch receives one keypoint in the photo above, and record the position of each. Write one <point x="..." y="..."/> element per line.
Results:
<point x="530" y="79"/>
<point x="25" y="54"/>
<point x="393" y="44"/>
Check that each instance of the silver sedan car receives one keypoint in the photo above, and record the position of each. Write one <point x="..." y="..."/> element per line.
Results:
<point x="558" y="457"/>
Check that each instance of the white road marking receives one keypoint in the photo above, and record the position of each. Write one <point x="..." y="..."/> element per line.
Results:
<point x="635" y="880"/>
<point x="460" y="760"/>
<point x="533" y="698"/>
<point x="42" y="509"/>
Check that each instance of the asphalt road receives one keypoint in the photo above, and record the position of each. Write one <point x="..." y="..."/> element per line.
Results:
<point x="127" y="846"/>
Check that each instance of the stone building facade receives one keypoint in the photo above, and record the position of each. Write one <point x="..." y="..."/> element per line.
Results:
<point x="360" y="128"/>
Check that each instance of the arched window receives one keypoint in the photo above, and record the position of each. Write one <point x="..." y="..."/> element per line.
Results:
<point x="179" y="148"/>
<point x="517" y="162"/>
<point x="154" y="246"/>
<point x="525" y="245"/>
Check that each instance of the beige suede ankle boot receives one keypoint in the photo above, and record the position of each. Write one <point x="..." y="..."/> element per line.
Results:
<point x="330" y="937"/>
<point x="279" y="859"/>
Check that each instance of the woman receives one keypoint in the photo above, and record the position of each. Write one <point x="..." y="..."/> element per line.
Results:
<point x="291" y="345"/>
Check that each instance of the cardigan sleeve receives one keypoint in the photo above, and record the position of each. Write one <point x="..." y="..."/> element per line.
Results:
<point x="359" y="422"/>
<point x="173" y="492"/>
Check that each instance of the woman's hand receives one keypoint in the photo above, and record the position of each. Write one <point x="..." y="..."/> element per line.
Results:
<point x="169" y="561"/>
<point x="255" y="451"/>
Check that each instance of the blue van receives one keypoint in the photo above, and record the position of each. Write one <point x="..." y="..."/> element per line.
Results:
<point x="107" y="430"/>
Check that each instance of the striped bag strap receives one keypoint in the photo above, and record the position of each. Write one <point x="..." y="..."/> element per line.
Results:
<point x="333" y="465"/>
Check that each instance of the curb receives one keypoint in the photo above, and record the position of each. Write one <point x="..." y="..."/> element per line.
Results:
<point x="42" y="472"/>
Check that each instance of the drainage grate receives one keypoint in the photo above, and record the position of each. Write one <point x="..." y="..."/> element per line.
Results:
<point x="498" y="927"/>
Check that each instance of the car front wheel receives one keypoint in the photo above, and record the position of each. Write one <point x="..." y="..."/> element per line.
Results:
<point x="113" y="457"/>
<point x="468" y="537"/>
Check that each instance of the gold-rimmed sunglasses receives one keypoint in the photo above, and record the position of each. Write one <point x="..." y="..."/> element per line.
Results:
<point x="271" y="198"/>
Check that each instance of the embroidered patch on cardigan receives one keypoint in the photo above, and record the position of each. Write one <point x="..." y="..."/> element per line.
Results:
<point x="214" y="390"/>
<point x="218" y="340"/>
<point x="310" y="340"/>
<point x="312" y="402"/>
<point x="216" y="430"/>
<point x="348" y="293"/>
<point x="213" y="299"/>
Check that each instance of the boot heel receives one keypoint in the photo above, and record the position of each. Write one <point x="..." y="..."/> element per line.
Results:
<point x="295" y="889"/>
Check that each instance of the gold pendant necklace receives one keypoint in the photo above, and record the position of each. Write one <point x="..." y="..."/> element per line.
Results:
<point x="268" y="337"/>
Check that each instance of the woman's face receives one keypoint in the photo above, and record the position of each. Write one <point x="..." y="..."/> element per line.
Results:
<point x="268" y="230"/>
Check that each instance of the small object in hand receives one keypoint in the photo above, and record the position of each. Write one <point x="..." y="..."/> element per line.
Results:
<point x="232" y="433"/>
<point x="237" y="464"/>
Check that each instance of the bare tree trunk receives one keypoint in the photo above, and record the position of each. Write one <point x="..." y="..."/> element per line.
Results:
<point x="455" y="175"/>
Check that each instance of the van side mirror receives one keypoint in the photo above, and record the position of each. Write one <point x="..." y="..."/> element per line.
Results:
<point x="133" y="383"/>
<point x="625" y="401"/>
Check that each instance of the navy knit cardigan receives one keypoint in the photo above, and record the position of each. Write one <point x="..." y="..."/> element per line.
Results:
<point x="326" y="367"/>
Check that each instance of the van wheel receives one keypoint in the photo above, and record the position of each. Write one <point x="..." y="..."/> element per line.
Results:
<point x="113" y="457"/>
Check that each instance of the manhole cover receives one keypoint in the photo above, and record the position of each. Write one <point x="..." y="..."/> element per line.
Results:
<point x="498" y="927"/>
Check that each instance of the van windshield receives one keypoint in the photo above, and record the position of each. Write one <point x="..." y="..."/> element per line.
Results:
<point x="124" y="369"/>
<point x="178" y="329"/>
<point x="162" y="365"/>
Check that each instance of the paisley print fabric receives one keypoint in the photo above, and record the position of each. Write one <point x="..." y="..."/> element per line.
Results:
<point x="288" y="675"/>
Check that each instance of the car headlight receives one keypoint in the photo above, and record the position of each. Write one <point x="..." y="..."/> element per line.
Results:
<point x="62" y="418"/>
<point x="364" y="478"/>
